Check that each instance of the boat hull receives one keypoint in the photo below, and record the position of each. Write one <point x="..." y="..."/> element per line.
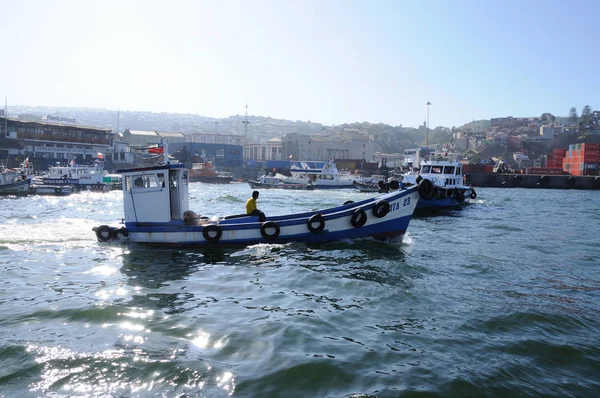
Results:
<point x="19" y="188"/>
<point x="338" y="223"/>
<point x="259" y="185"/>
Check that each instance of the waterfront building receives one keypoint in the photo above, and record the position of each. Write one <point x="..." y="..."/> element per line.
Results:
<point x="271" y="150"/>
<point x="305" y="147"/>
<point x="45" y="142"/>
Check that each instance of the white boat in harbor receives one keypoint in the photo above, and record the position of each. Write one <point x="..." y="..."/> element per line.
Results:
<point x="159" y="214"/>
<point x="80" y="176"/>
<point x="312" y="175"/>
<point x="440" y="184"/>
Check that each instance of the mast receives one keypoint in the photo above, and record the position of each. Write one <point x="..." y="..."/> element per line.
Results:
<point x="118" y="119"/>
<point x="245" y="121"/>
<point x="246" y="126"/>
<point x="5" y="117"/>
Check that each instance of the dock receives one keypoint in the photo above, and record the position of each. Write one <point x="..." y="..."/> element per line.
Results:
<point x="501" y="180"/>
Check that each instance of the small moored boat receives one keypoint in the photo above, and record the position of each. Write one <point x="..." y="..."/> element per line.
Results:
<point x="156" y="209"/>
<point x="13" y="182"/>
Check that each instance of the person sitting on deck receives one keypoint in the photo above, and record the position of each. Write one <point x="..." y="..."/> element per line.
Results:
<point x="251" y="208"/>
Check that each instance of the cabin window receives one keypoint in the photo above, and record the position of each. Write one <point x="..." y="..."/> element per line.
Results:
<point x="436" y="169"/>
<point x="146" y="181"/>
<point x="426" y="169"/>
<point x="458" y="171"/>
<point x="449" y="170"/>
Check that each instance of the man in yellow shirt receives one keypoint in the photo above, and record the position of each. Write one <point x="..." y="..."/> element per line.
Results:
<point x="251" y="204"/>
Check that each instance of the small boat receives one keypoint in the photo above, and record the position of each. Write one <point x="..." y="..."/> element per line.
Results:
<point x="207" y="173"/>
<point x="440" y="184"/>
<point x="80" y="176"/>
<point x="321" y="175"/>
<point x="13" y="182"/>
<point x="159" y="214"/>
<point x="277" y="181"/>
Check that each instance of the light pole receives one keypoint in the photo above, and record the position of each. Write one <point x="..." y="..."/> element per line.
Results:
<point x="216" y="127"/>
<point x="427" y="133"/>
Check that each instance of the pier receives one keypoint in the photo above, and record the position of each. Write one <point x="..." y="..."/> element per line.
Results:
<point x="500" y="180"/>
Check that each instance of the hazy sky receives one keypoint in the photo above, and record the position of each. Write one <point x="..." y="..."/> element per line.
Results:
<point x="326" y="61"/>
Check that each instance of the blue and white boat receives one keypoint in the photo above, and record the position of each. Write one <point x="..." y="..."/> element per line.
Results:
<point x="80" y="176"/>
<point x="440" y="184"/>
<point x="156" y="209"/>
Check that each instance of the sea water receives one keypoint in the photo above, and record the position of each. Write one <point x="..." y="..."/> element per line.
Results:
<point x="499" y="298"/>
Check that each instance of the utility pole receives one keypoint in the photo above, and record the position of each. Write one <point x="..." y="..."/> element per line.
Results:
<point x="427" y="133"/>
<point x="216" y="127"/>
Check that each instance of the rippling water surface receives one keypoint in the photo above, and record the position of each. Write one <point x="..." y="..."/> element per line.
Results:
<point x="500" y="298"/>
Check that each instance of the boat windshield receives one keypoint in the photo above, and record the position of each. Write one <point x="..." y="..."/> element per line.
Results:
<point x="436" y="169"/>
<point x="449" y="170"/>
<point x="426" y="169"/>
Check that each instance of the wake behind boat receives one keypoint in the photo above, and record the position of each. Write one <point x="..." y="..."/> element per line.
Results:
<point x="156" y="208"/>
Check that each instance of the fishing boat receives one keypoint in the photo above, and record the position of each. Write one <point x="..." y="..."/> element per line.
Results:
<point x="207" y="173"/>
<point x="156" y="210"/>
<point x="440" y="184"/>
<point x="80" y="176"/>
<point x="13" y="182"/>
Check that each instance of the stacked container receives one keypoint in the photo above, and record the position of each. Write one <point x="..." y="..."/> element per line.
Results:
<point x="582" y="160"/>
<point x="555" y="159"/>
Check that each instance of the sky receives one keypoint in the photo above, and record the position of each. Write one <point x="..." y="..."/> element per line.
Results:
<point x="325" y="61"/>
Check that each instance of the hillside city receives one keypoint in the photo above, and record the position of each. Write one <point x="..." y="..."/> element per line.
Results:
<point x="518" y="141"/>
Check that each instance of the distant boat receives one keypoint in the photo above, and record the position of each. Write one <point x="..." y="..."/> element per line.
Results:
<point x="13" y="182"/>
<point x="277" y="181"/>
<point x="207" y="173"/>
<point x="318" y="174"/>
<point x="80" y="176"/>
<point x="160" y="215"/>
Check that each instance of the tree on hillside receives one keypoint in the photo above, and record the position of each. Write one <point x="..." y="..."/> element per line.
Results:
<point x="573" y="118"/>
<point x="586" y="121"/>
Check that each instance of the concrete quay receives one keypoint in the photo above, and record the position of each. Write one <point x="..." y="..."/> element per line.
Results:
<point x="498" y="180"/>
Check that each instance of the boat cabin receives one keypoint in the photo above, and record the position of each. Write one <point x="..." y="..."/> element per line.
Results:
<point x="157" y="194"/>
<point x="442" y="173"/>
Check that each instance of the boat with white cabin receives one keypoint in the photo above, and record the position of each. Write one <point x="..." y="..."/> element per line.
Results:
<point x="156" y="209"/>
<point x="440" y="184"/>
<point x="13" y="182"/>
<point x="319" y="175"/>
<point x="80" y="176"/>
